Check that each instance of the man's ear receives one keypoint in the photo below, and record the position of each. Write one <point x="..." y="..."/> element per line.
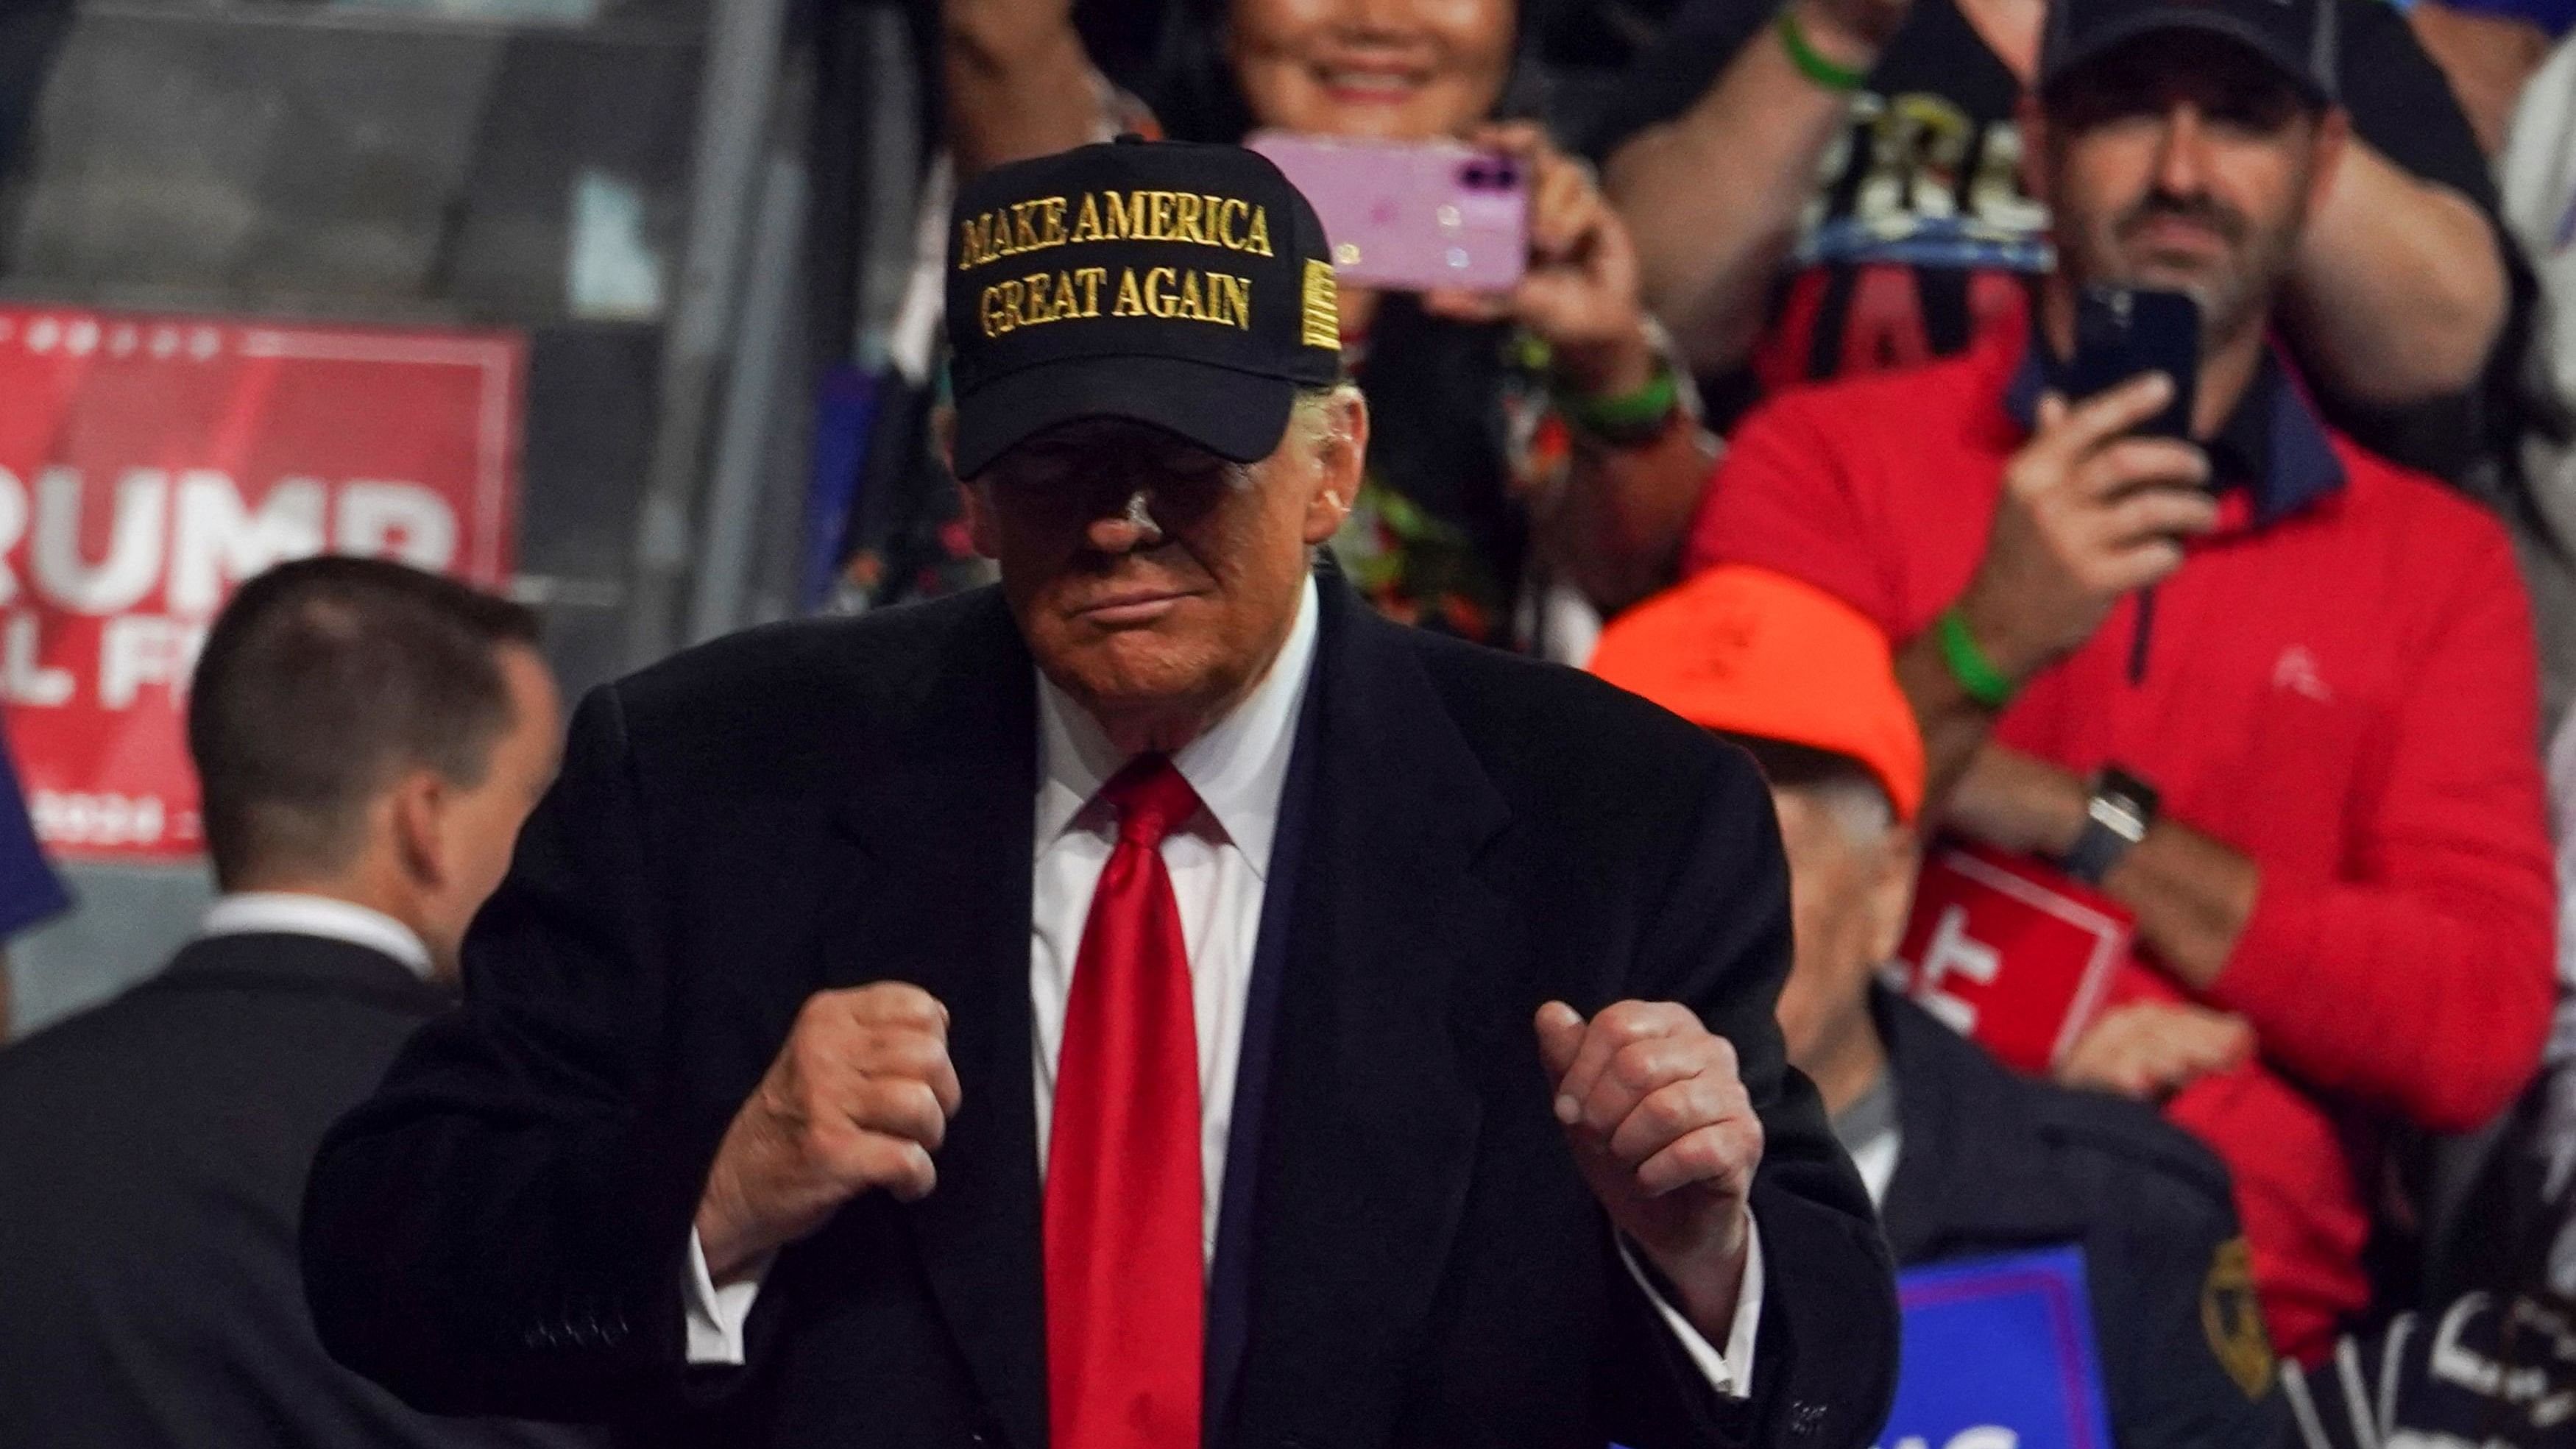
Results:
<point x="1889" y="892"/>
<point x="1341" y="462"/>
<point x="415" y="808"/>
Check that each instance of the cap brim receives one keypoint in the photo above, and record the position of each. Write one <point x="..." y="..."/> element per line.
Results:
<point x="2293" y="68"/>
<point x="1239" y="416"/>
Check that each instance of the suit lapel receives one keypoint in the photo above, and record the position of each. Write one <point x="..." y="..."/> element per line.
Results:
<point x="942" y="899"/>
<point x="1369" y="1134"/>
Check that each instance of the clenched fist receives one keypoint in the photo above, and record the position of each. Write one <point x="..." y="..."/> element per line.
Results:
<point x="1666" y="1137"/>
<point x="858" y="1098"/>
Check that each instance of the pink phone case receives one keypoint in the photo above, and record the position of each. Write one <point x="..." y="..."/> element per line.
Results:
<point x="1411" y="216"/>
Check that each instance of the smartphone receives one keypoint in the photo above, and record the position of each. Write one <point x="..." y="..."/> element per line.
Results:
<point x="1411" y="216"/>
<point x="2123" y="331"/>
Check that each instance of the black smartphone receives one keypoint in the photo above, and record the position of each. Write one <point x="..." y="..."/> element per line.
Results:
<point x="2123" y="331"/>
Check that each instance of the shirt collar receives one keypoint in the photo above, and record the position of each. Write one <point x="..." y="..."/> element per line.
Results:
<point x="296" y="913"/>
<point x="2272" y="444"/>
<point x="1238" y="766"/>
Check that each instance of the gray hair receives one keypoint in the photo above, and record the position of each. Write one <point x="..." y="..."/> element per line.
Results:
<point x="1855" y="800"/>
<point x="1842" y="785"/>
<point x="1313" y="413"/>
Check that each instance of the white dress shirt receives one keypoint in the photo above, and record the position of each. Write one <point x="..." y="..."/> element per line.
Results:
<point x="1219" y="861"/>
<point x="293" y="913"/>
<point x="1876" y="1162"/>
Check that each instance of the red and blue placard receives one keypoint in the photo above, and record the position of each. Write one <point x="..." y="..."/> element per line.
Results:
<point x="1998" y="1354"/>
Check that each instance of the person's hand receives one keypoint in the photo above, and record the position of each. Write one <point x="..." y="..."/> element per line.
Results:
<point x="1580" y="292"/>
<point x="1665" y="1136"/>
<point x="2152" y="1049"/>
<point x="858" y="1098"/>
<point x="2088" y="513"/>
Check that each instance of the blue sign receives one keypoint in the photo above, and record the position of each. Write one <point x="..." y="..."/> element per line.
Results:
<point x="1998" y="1354"/>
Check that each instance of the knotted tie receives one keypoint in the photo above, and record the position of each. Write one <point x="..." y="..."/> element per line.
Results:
<point x="1124" y="1272"/>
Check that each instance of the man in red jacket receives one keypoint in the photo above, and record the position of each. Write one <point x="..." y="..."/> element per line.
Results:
<point x="2272" y="693"/>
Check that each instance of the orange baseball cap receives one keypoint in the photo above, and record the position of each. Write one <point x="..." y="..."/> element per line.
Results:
<point x="1758" y="653"/>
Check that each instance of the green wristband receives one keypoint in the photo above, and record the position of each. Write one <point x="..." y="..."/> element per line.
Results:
<point x="1977" y="675"/>
<point x="1813" y="63"/>
<point x="1630" y="417"/>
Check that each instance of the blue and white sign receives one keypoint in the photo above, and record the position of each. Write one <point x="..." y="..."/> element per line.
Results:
<point x="1998" y="1354"/>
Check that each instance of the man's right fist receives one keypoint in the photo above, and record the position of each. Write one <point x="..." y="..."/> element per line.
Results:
<point x="858" y="1098"/>
<point x="2090" y="511"/>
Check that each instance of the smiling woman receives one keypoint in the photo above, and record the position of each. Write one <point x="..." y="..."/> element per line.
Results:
<point x="1305" y="65"/>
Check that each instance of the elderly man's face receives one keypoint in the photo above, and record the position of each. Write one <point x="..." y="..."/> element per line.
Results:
<point x="1851" y="882"/>
<point x="2183" y="161"/>
<point x="1176" y="619"/>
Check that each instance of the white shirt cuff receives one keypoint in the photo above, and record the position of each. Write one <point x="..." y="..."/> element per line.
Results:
<point x="1716" y="1367"/>
<point x="716" y="1315"/>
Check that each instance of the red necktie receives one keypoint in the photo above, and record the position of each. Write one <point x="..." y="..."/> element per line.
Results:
<point x="1124" y="1271"/>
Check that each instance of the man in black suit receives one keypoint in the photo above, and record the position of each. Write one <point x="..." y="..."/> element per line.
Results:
<point x="369" y="738"/>
<point x="1149" y="1005"/>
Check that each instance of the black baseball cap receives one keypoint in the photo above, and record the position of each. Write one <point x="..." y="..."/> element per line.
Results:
<point x="1183" y="286"/>
<point x="2296" y="36"/>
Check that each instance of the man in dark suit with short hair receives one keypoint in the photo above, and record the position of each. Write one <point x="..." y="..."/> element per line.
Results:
<point x="1152" y="1004"/>
<point x="369" y="738"/>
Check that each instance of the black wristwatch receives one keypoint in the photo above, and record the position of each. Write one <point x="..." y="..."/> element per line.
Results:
<point x="2116" y="818"/>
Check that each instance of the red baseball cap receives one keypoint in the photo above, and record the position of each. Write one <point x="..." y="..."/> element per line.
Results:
<point x="1753" y="652"/>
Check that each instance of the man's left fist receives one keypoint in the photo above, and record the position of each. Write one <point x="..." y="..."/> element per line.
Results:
<point x="1666" y="1137"/>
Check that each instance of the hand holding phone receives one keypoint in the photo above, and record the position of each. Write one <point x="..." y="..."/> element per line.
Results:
<point x="2121" y="332"/>
<point x="1533" y="241"/>
<point x="1411" y="216"/>
<point x="2098" y="501"/>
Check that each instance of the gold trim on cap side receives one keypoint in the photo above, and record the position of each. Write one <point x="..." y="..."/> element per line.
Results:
<point x="1323" y="306"/>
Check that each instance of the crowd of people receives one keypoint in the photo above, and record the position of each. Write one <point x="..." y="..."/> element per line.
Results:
<point x="1783" y="429"/>
<point x="2288" y="654"/>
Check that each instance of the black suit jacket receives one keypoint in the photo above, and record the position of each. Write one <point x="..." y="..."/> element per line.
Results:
<point x="152" y="1162"/>
<point x="824" y="804"/>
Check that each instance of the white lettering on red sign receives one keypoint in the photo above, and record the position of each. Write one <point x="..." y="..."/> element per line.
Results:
<point x="1953" y="952"/>
<point x="196" y="541"/>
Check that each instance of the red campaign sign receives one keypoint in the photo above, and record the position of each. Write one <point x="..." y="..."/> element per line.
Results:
<point x="2010" y="952"/>
<point x="148" y="464"/>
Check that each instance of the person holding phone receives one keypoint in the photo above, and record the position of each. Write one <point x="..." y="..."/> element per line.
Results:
<point x="2314" y="781"/>
<point x="1536" y="446"/>
<point x="1827" y="187"/>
